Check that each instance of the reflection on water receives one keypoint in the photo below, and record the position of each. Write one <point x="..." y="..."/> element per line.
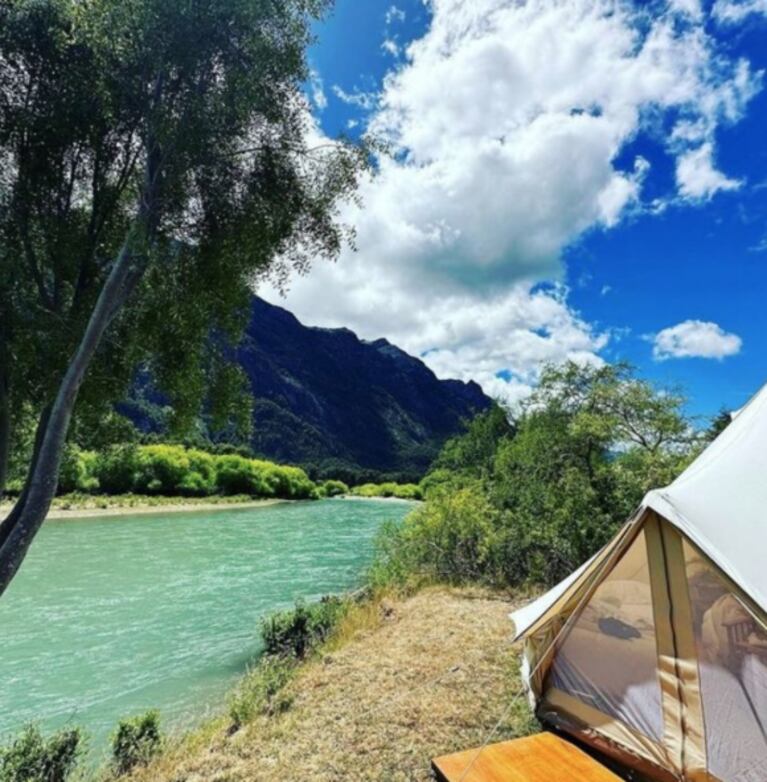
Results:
<point x="112" y="616"/>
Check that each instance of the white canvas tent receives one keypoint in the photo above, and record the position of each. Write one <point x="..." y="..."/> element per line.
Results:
<point x="655" y="651"/>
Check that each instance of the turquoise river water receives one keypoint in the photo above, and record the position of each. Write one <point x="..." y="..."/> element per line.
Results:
<point x="109" y="617"/>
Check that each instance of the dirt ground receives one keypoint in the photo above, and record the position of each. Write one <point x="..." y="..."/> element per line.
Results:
<point x="432" y="674"/>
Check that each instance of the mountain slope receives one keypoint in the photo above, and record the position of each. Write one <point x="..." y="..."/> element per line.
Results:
<point x="326" y="399"/>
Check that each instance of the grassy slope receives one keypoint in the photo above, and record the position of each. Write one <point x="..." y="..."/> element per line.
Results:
<point x="404" y="680"/>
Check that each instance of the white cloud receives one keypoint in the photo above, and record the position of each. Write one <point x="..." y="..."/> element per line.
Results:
<point x="317" y="90"/>
<point x="695" y="339"/>
<point x="365" y="100"/>
<point x="697" y="176"/>
<point x="394" y="14"/>
<point x="735" y="11"/>
<point x="689" y="8"/>
<point x="506" y="120"/>
<point x="391" y="46"/>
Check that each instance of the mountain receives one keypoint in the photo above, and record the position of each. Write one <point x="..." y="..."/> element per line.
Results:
<point x="326" y="399"/>
<point x="333" y="403"/>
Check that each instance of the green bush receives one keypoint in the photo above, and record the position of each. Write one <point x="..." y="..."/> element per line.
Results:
<point x="78" y="471"/>
<point x="294" y="483"/>
<point x="262" y="691"/>
<point x="451" y="538"/>
<point x="34" y="758"/>
<point x="174" y="470"/>
<point x="334" y="488"/>
<point x="238" y="475"/>
<point x="136" y="741"/>
<point x="115" y="469"/>
<point x="402" y="491"/>
<point x="299" y="630"/>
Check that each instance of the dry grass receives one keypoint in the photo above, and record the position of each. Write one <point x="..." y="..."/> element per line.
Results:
<point x="405" y="680"/>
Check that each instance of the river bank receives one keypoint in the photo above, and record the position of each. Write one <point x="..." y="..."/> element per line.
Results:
<point x="80" y="506"/>
<point x="404" y="680"/>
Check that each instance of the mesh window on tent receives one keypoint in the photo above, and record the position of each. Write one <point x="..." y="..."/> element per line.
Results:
<point x="609" y="657"/>
<point x="732" y="661"/>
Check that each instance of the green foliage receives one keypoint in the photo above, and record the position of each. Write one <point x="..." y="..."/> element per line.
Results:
<point x="239" y="475"/>
<point x="171" y="469"/>
<point x="472" y="454"/>
<point x="136" y="741"/>
<point x="299" y="630"/>
<point x="401" y="491"/>
<point x="449" y="538"/>
<point x="78" y="471"/>
<point x="116" y="468"/>
<point x="332" y="488"/>
<point x="262" y="691"/>
<point x="718" y="424"/>
<point x="529" y="502"/>
<point x="34" y="758"/>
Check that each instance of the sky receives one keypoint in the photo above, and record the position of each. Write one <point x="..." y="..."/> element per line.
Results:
<point x="566" y="179"/>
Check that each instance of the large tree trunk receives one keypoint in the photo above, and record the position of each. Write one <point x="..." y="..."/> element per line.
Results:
<point x="20" y="527"/>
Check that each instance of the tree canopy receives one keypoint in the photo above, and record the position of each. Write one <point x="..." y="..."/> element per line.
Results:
<point x="156" y="159"/>
<point x="531" y="499"/>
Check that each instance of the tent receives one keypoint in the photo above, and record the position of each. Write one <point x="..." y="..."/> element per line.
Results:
<point x="655" y="650"/>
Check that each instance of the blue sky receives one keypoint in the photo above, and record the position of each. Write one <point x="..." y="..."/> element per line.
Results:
<point x="580" y="180"/>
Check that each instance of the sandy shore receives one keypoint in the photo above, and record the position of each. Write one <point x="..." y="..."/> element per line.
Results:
<point x="136" y="510"/>
<point x="355" y="498"/>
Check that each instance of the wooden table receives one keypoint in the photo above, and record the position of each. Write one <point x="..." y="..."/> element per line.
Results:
<point x="540" y="758"/>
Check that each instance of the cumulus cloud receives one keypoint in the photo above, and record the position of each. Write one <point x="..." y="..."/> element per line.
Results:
<point x="698" y="178"/>
<point x="735" y="11"/>
<point x="695" y="339"/>
<point x="506" y="122"/>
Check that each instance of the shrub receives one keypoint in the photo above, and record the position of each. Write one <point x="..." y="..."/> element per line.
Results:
<point x="201" y="478"/>
<point x="297" y="484"/>
<point x="136" y="741"/>
<point x="299" y="630"/>
<point x="34" y="758"/>
<point x="450" y="538"/>
<point x="160" y="469"/>
<point x="78" y="470"/>
<point x="402" y="491"/>
<point x="176" y="470"/>
<point x="334" y="488"/>
<point x="262" y="691"/>
<point x="172" y="469"/>
<point x="238" y="475"/>
<point x="115" y="469"/>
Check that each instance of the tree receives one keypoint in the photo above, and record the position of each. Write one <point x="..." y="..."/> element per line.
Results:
<point x="718" y="424"/>
<point x="156" y="159"/>
<point x="591" y="442"/>
<point x="531" y="501"/>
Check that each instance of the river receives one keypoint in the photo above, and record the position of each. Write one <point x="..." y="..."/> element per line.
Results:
<point x="109" y="617"/>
